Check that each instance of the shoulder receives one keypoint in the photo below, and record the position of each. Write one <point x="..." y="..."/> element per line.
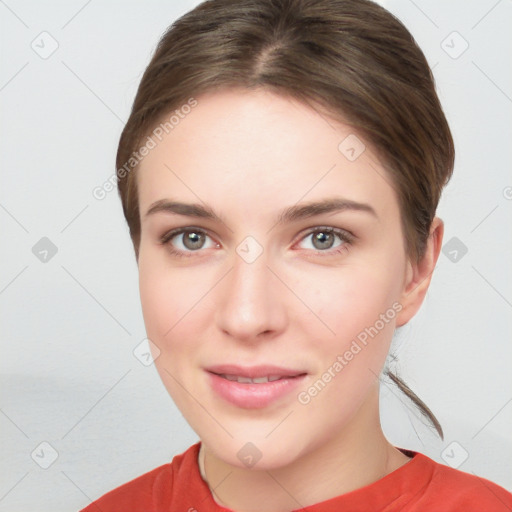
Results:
<point x="451" y="489"/>
<point x="152" y="489"/>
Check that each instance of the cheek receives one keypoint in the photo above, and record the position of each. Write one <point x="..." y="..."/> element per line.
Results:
<point x="356" y="299"/>
<point x="172" y="305"/>
<point x="167" y="295"/>
<point x="177" y="306"/>
<point x="361" y="310"/>
<point x="360" y="304"/>
<point x="158" y="299"/>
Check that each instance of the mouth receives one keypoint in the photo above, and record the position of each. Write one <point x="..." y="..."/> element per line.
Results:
<point x="259" y="374"/>
<point x="253" y="387"/>
<point x="257" y="380"/>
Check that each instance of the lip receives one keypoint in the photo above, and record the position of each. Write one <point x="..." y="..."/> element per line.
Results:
<point x="251" y="395"/>
<point x="253" y="372"/>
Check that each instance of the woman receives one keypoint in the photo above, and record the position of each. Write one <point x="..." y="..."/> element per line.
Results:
<point x="280" y="173"/>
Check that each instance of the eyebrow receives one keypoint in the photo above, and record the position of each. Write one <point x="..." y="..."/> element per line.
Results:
<point x="291" y="214"/>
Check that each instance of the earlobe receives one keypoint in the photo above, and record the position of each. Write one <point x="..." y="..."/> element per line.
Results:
<point x="419" y="274"/>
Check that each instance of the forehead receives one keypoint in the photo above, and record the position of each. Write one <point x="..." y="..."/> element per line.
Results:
<point x="253" y="148"/>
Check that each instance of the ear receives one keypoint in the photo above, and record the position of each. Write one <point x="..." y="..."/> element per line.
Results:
<point x="418" y="275"/>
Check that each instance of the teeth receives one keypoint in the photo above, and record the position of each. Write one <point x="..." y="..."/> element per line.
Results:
<point x="256" y="380"/>
<point x="259" y="380"/>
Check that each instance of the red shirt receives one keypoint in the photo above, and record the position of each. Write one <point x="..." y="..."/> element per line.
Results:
<point x="419" y="485"/>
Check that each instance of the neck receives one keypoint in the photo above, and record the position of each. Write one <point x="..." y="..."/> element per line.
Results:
<point x="359" y="455"/>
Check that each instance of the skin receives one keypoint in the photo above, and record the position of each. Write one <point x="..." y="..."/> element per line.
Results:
<point x="248" y="155"/>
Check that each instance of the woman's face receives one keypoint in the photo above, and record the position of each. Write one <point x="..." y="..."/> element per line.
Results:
<point x="261" y="283"/>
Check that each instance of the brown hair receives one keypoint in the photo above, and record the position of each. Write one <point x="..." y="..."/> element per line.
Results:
<point x="350" y="58"/>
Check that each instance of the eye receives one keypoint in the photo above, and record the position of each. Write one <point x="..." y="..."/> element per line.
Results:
<point x="187" y="240"/>
<point x="326" y="239"/>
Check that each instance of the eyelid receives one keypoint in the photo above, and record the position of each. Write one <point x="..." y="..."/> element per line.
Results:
<point x="168" y="235"/>
<point x="344" y="234"/>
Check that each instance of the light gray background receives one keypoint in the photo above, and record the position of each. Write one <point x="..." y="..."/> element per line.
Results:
<point x="70" y="324"/>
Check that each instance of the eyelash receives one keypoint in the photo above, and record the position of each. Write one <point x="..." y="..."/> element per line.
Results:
<point x="345" y="236"/>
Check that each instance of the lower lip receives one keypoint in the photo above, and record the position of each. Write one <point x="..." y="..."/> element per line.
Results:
<point x="253" y="396"/>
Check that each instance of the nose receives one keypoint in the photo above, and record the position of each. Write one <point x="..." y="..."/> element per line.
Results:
<point x="251" y="302"/>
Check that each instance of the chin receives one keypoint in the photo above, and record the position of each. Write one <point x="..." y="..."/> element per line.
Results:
<point x="257" y="452"/>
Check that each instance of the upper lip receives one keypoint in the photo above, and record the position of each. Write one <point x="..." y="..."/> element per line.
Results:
<point x="253" y="372"/>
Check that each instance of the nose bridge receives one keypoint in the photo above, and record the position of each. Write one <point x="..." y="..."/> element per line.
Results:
<point x="249" y="300"/>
